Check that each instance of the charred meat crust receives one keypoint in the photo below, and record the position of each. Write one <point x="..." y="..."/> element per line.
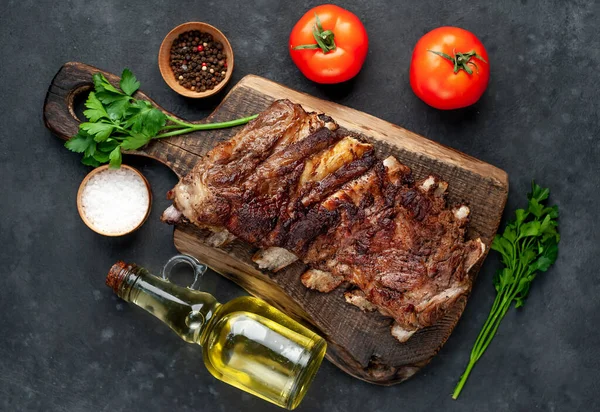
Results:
<point x="291" y="183"/>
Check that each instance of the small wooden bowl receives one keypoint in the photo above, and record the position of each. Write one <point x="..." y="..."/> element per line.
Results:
<point x="164" y="58"/>
<point x="80" y="205"/>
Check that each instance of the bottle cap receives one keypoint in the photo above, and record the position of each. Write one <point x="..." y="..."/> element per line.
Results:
<point x="117" y="274"/>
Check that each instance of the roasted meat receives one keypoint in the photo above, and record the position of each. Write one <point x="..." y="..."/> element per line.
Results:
<point x="291" y="183"/>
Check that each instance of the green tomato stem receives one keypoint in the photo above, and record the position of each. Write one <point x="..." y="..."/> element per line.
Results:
<point x="325" y="38"/>
<point x="461" y="61"/>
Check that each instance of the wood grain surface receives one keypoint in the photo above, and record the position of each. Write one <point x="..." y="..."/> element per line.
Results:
<point x="359" y="343"/>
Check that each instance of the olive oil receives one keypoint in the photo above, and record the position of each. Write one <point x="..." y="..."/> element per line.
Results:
<point x="245" y="342"/>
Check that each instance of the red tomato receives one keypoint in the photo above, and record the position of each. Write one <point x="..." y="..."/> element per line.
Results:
<point x="449" y="68"/>
<point x="329" y="44"/>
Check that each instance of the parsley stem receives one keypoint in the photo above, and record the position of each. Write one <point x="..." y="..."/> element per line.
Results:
<point x="179" y="122"/>
<point x="116" y="126"/>
<point x="501" y="305"/>
<point x="483" y="340"/>
<point x="488" y="332"/>
<point x="190" y="127"/>
<point x="173" y="133"/>
<point x="463" y="380"/>
<point x="499" y="308"/>
<point x="490" y="319"/>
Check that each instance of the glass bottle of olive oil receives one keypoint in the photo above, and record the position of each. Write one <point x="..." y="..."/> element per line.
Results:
<point x="245" y="342"/>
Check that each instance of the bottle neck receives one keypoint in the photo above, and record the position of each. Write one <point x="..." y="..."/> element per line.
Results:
<point x="188" y="312"/>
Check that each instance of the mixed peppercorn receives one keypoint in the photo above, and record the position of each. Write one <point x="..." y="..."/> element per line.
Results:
<point x="198" y="61"/>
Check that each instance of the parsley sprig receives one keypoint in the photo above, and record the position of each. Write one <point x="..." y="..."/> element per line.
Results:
<point x="118" y="122"/>
<point x="528" y="245"/>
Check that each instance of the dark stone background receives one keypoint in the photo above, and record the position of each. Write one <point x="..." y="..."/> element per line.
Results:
<point x="68" y="344"/>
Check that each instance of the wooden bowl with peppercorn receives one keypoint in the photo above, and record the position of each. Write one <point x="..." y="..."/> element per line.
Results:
<point x="196" y="60"/>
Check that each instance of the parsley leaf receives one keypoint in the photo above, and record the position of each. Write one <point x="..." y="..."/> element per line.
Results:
<point x="154" y="120"/>
<point x="129" y="84"/>
<point x="118" y="109"/>
<point x="101" y="157"/>
<point x="115" y="158"/>
<point x="90" y="161"/>
<point x="100" y="131"/>
<point x="108" y="145"/>
<point x="90" y="150"/>
<point x="147" y="120"/>
<point x="107" y="97"/>
<point x="95" y="110"/>
<point x="102" y="84"/>
<point x="135" y="141"/>
<point x="80" y="142"/>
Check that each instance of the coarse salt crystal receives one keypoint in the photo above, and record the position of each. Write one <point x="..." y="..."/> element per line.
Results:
<point x="115" y="201"/>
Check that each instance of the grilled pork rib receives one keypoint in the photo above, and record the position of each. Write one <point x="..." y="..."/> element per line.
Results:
<point x="294" y="185"/>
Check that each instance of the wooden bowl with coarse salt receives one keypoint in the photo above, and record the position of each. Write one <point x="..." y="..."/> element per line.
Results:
<point x="114" y="202"/>
<point x="164" y="58"/>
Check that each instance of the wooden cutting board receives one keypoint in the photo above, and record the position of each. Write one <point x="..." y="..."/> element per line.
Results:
<point x="359" y="343"/>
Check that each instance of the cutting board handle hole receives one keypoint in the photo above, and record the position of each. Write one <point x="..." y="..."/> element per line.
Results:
<point x="76" y="102"/>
